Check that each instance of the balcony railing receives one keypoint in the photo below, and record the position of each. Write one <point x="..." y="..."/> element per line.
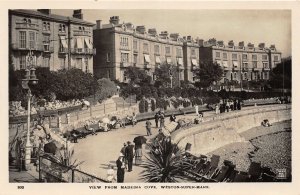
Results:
<point x="24" y="25"/>
<point x="63" y="50"/>
<point x="235" y="68"/>
<point x="19" y="46"/>
<point x="85" y="51"/>
<point x="266" y="69"/>
<point x="147" y="66"/>
<point x="245" y="69"/>
<point x="81" y="33"/>
<point x="122" y="47"/>
<point x="255" y="69"/>
<point x="47" y="49"/>
<point x="124" y="64"/>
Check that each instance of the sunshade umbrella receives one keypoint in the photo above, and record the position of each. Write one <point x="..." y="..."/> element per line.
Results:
<point x="140" y="140"/>
<point x="50" y="148"/>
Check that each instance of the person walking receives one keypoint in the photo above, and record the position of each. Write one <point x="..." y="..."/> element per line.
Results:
<point x="148" y="127"/>
<point x="129" y="155"/>
<point x="162" y="120"/>
<point x="156" y="118"/>
<point x="120" y="169"/>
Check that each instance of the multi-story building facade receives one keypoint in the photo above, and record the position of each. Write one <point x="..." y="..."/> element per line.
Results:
<point x="122" y="45"/>
<point x="241" y="62"/>
<point x="52" y="41"/>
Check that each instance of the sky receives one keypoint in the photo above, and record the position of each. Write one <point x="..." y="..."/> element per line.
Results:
<point x="255" y="26"/>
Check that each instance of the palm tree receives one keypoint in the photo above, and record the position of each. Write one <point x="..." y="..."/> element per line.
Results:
<point x="166" y="163"/>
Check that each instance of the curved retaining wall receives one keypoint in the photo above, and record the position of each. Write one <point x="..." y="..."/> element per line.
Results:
<point x="220" y="130"/>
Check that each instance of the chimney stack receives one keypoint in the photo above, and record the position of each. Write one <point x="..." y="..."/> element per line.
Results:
<point x="141" y="29"/>
<point x="114" y="20"/>
<point x="241" y="44"/>
<point x="45" y="11"/>
<point x="98" y="24"/>
<point x="152" y="31"/>
<point x="201" y="42"/>
<point x="174" y="36"/>
<point x="77" y="14"/>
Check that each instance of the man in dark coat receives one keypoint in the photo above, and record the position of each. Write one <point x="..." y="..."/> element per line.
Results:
<point x="156" y="118"/>
<point x="129" y="155"/>
<point x="120" y="170"/>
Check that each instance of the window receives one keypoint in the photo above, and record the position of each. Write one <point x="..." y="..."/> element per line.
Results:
<point x="145" y="47"/>
<point x="124" y="41"/>
<point x="44" y="25"/>
<point x="135" y="58"/>
<point x="22" y="39"/>
<point x="178" y="52"/>
<point x="156" y="49"/>
<point x="193" y="52"/>
<point x="276" y="58"/>
<point x="225" y="56"/>
<point x="62" y="62"/>
<point x="254" y="64"/>
<point x="266" y="64"/>
<point x="78" y="63"/>
<point x="62" y="28"/>
<point x="264" y="57"/>
<point x="266" y="76"/>
<point x="245" y="76"/>
<point x="124" y="57"/>
<point x="234" y="56"/>
<point x="245" y="65"/>
<point x="46" y="41"/>
<point x="86" y="64"/>
<point x="46" y="62"/>
<point x="124" y="76"/>
<point x="168" y="51"/>
<point x="48" y="26"/>
<point x="135" y="47"/>
<point x="31" y="39"/>
<point x="108" y="57"/>
<point x="245" y="56"/>
<point x="22" y="62"/>
<point x="234" y="76"/>
<point x="254" y="57"/>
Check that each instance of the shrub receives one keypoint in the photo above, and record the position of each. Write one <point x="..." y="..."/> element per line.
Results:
<point x="142" y="106"/>
<point x="107" y="88"/>
<point x="146" y="105"/>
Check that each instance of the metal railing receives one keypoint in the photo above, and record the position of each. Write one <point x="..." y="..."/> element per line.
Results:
<point x="51" y="171"/>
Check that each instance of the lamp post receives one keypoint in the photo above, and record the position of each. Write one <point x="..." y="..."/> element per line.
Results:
<point x="171" y="77"/>
<point x="30" y="78"/>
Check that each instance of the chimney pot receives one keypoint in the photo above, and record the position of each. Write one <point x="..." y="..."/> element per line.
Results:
<point x="77" y="14"/>
<point x="98" y="24"/>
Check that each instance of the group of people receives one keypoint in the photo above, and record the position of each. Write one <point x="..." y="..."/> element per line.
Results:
<point x="125" y="161"/>
<point x="228" y="105"/>
<point x="159" y="118"/>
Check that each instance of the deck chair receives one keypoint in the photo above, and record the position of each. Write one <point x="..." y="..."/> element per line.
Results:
<point x="221" y="175"/>
<point x="231" y="175"/>
<point x="254" y="171"/>
<point x="242" y="177"/>
<point x="214" y="162"/>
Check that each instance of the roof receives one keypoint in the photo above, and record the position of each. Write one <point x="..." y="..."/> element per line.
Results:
<point x="34" y="13"/>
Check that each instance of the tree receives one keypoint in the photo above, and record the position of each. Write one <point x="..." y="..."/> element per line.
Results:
<point x="137" y="76"/>
<point x="208" y="73"/>
<point x="163" y="78"/>
<point x="281" y="75"/>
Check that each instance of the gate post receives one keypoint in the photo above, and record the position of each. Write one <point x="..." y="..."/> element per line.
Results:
<point x="40" y="174"/>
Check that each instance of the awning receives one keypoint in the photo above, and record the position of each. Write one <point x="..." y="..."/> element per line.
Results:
<point x="88" y="43"/>
<point x="157" y="60"/>
<point x="169" y="60"/>
<point x="79" y="43"/>
<point x="225" y="64"/>
<point x="235" y="64"/>
<point x="147" y="58"/>
<point x="179" y="61"/>
<point x="194" y="62"/>
<point x="63" y="41"/>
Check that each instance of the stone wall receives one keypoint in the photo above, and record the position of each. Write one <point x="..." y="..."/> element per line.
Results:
<point x="220" y="130"/>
